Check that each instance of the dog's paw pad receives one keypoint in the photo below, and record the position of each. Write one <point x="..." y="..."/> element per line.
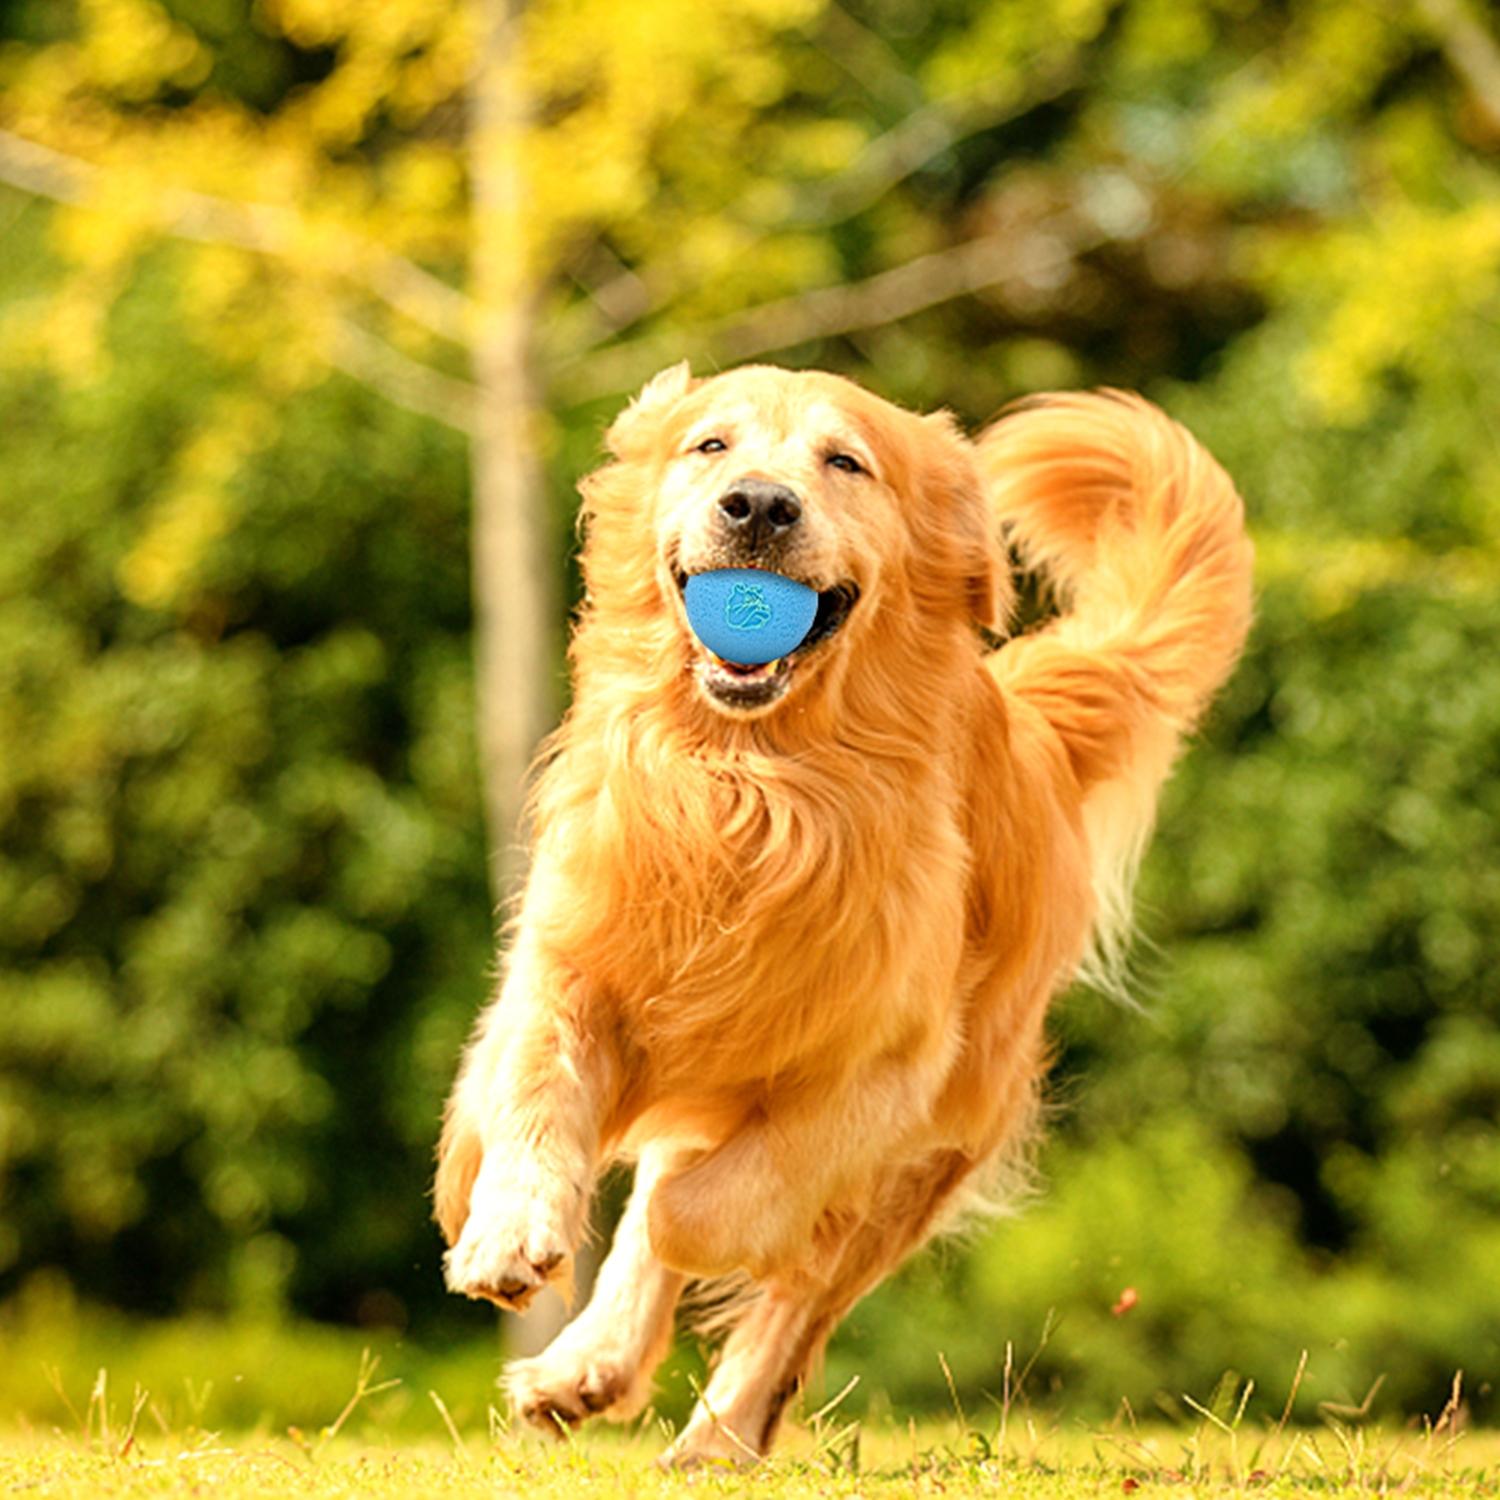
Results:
<point x="489" y="1263"/>
<point x="555" y="1399"/>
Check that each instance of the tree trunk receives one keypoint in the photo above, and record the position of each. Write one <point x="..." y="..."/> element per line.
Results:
<point x="514" y="642"/>
<point x="513" y="597"/>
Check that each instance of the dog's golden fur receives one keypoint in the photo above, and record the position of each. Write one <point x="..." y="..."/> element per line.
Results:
<point x="789" y="937"/>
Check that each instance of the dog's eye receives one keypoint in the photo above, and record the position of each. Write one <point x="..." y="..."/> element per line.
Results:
<point x="846" y="463"/>
<point x="712" y="445"/>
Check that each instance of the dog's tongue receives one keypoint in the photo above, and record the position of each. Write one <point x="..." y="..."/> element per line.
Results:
<point x="748" y="617"/>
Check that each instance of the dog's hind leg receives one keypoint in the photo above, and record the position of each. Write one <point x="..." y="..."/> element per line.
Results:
<point x="602" y="1362"/>
<point x="771" y="1350"/>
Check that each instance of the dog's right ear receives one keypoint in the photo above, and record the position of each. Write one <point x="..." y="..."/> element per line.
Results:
<point x="628" y="434"/>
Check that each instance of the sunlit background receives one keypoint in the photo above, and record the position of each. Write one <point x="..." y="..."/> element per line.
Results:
<point x="292" y="291"/>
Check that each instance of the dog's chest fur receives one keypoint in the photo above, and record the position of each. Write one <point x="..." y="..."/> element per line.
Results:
<point x="746" y="916"/>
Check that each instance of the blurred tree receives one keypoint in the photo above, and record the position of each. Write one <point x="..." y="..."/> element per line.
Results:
<point x="1293" y="1146"/>
<point x="242" y="895"/>
<point x="392" y="217"/>
<point x="394" y="206"/>
<point x="1292" y="207"/>
<point x="473" y="183"/>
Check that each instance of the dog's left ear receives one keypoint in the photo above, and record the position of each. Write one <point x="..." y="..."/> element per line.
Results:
<point x="628" y="435"/>
<point x="974" y="530"/>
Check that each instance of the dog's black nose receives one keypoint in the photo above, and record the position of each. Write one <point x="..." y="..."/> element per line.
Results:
<point x="755" y="510"/>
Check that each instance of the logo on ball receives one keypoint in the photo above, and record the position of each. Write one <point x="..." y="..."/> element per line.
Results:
<point x="746" y="607"/>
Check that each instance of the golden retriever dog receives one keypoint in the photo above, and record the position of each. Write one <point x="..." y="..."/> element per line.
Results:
<point x="790" y="932"/>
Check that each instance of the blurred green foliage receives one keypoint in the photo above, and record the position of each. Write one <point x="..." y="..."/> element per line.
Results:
<point x="242" y="902"/>
<point x="207" y="1373"/>
<point x="243" y="916"/>
<point x="1294" y="1145"/>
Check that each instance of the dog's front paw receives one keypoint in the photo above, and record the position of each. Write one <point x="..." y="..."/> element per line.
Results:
<point x="514" y="1243"/>
<point x="559" y="1389"/>
<point x="500" y="1270"/>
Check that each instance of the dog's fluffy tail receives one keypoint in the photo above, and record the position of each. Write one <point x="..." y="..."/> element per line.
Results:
<point x="1142" y="535"/>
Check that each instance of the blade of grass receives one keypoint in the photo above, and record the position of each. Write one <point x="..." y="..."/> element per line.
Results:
<point x="448" y="1422"/>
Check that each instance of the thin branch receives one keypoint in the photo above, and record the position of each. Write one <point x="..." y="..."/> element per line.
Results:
<point x="1471" y="51"/>
<point x="925" y="282"/>
<point x="919" y="139"/>
<point x="630" y="296"/>
<point x="615" y="298"/>
<point x="42" y="171"/>
<point x="406" y="382"/>
<point x="869" y="59"/>
<point x="427" y="300"/>
<point x="263" y="228"/>
<point x="883" y="298"/>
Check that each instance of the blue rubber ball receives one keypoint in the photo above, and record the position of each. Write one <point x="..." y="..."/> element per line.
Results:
<point x="749" y="616"/>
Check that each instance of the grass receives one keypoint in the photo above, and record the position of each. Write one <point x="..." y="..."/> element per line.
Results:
<point x="923" y="1461"/>
<point x="93" y="1404"/>
<point x="115" y="1443"/>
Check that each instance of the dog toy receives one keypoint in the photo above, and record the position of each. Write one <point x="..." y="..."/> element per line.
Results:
<point x="748" y="616"/>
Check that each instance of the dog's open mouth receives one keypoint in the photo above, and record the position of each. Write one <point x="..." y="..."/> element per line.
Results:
<point x="754" y="687"/>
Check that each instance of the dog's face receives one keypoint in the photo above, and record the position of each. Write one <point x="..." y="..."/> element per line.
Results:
<point x="809" y="476"/>
<point x="764" y="473"/>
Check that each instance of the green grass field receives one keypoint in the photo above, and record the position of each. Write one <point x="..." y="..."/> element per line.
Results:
<point x="128" y="1446"/>
<point x="92" y="1404"/>
<point x="869" y="1462"/>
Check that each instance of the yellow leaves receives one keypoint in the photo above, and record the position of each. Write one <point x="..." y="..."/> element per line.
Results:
<point x="402" y="56"/>
<point x="1160" y="32"/>
<point x="337" y="110"/>
<point x="1398" y="287"/>
<point x="181" y="530"/>
<point x="780" y="14"/>
<point x="605" y="106"/>
<point x="194" y="510"/>
<point x="608" y="84"/>
<point x="64" y="331"/>
<point x="1334" y="572"/>
<point x="1330" y="59"/>
<point x="35" y="85"/>
<point x="439" y="71"/>
<point x="276" y="329"/>
<point x="132" y="48"/>
<point x="107" y="231"/>
<point x="722" y="265"/>
<point x="392" y="25"/>
<point x="217" y="281"/>
<point x="824" y="147"/>
<point x="996" y="57"/>
<point x="1412" y="145"/>
<point x="308" y="23"/>
<point x="1396" y="268"/>
<point x="664" y="59"/>
<point x="95" y="239"/>
<point x="300" y="223"/>
<point x="425" y="177"/>
<point x="1165" y="32"/>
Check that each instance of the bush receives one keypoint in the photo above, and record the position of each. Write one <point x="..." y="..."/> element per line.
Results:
<point x="242" y="879"/>
<point x="1293" y="1146"/>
